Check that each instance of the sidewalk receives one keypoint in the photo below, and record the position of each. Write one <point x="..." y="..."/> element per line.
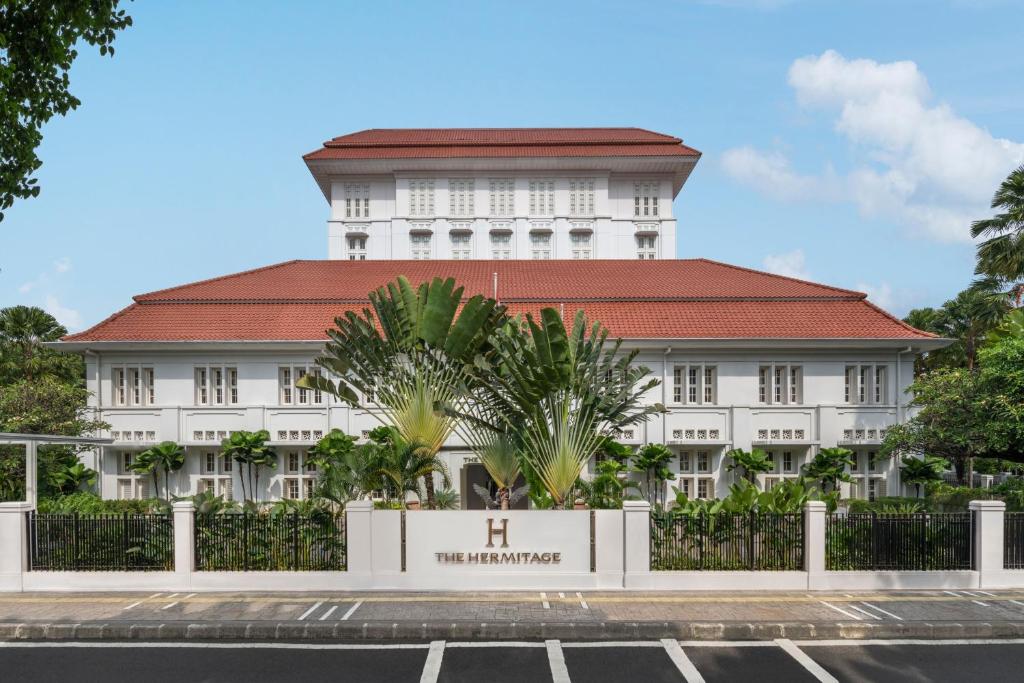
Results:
<point x="378" y="616"/>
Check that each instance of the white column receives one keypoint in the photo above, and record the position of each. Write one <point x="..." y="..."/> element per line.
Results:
<point x="988" y="539"/>
<point x="359" y="536"/>
<point x="31" y="473"/>
<point x="13" y="545"/>
<point x="814" y="540"/>
<point x="184" y="541"/>
<point x="636" y="530"/>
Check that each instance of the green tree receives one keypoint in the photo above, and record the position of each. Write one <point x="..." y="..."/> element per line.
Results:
<point x="749" y="463"/>
<point x="416" y="365"/>
<point x="404" y="464"/>
<point x="38" y="43"/>
<point x="500" y="457"/>
<point x="829" y="466"/>
<point x="652" y="462"/>
<point x="917" y="471"/>
<point x="1001" y="254"/>
<point x="167" y="457"/>
<point x="23" y="331"/>
<point x="251" y="450"/>
<point x="340" y="467"/>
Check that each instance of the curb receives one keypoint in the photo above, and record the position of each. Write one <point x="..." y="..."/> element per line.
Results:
<point x="454" y="631"/>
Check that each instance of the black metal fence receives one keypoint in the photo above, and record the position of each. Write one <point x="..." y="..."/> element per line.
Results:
<point x="1013" y="540"/>
<point x="726" y="541"/>
<point x="100" y="542"/>
<point x="264" y="542"/>
<point x="919" y="541"/>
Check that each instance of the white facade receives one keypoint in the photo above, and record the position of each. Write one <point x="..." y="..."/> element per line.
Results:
<point x="725" y="409"/>
<point x="502" y="214"/>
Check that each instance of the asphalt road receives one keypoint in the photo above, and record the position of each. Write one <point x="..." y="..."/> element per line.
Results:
<point x="501" y="662"/>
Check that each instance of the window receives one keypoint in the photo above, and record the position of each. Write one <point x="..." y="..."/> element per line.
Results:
<point x="131" y="485"/>
<point x="787" y="461"/>
<point x="501" y="195"/>
<point x="780" y="384"/>
<point x="133" y="386"/>
<point x="421" y="197"/>
<point x="866" y="384"/>
<point x="703" y="461"/>
<point x="872" y="460"/>
<point x="581" y="197"/>
<point x="855" y="462"/>
<point x="694" y="384"/>
<point x="876" y="489"/>
<point x="501" y="246"/>
<point x="216" y="476"/>
<point x="420" y="247"/>
<point x="645" y="199"/>
<point x="646" y="247"/>
<point x="461" y="246"/>
<point x="685" y="486"/>
<point x="542" y="197"/>
<point x="704" y="486"/>
<point x="357" y="200"/>
<point x="684" y="461"/>
<point x="216" y="385"/>
<point x="771" y="459"/>
<point x="460" y="197"/>
<point x="289" y="392"/>
<point x="540" y="245"/>
<point x="301" y="476"/>
<point x="582" y="245"/>
<point x="356" y="248"/>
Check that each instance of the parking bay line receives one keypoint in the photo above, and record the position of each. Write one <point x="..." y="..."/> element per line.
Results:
<point x="544" y="600"/>
<point x="432" y="667"/>
<point x="813" y="668"/>
<point x="879" y="609"/>
<point x="682" y="662"/>
<point x="865" y="612"/>
<point x="329" y="612"/>
<point x="583" y="603"/>
<point x="556" y="660"/>
<point x="311" y="610"/>
<point x="351" y="611"/>
<point x="842" y="611"/>
<point x="957" y="595"/>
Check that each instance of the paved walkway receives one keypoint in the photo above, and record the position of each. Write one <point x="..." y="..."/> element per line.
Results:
<point x="567" y="615"/>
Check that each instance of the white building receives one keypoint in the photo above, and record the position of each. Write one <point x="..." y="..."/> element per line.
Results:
<point x="747" y="359"/>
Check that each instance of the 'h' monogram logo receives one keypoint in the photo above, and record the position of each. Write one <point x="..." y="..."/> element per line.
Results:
<point x="492" y="532"/>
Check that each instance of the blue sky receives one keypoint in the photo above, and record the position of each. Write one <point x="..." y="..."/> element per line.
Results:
<point x="848" y="142"/>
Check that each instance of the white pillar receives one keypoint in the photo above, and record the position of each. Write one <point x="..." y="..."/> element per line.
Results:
<point x="184" y="542"/>
<point x="31" y="473"/>
<point x="988" y="540"/>
<point x="636" y="534"/>
<point x="814" y="541"/>
<point x="13" y="545"/>
<point x="359" y="537"/>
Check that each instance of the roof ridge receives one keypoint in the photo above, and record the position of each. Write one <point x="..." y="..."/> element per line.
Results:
<point x="900" y="322"/>
<point x="859" y="295"/>
<point x="110" y="318"/>
<point x="139" y="297"/>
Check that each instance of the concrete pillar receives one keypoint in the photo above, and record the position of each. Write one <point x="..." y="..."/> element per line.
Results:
<point x="636" y="534"/>
<point x="814" y="540"/>
<point x="359" y="536"/>
<point x="32" y="473"/>
<point x="988" y="540"/>
<point x="13" y="545"/>
<point x="184" y="541"/>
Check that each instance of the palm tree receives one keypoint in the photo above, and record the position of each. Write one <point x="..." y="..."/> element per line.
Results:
<point x="561" y="393"/>
<point x="23" y="330"/>
<point x="750" y="463"/>
<point x="499" y="455"/>
<point x="919" y="471"/>
<point x="250" y="449"/>
<point x="406" y="463"/>
<point x="830" y="466"/>
<point x="652" y="461"/>
<point x="1001" y="255"/>
<point x="411" y="358"/>
<point x="967" y="318"/>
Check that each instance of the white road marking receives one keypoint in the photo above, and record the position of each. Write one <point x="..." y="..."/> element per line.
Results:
<point x="682" y="662"/>
<point x="991" y="595"/>
<point x="173" y="595"/>
<point x="220" y="646"/>
<point x="134" y="604"/>
<point x="499" y="643"/>
<point x="190" y="595"/>
<point x="351" y="611"/>
<point x="328" y="612"/>
<point x="583" y="603"/>
<point x="842" y="611"/>
<point x="544" y="600"/>
<point x="170" y="605"/>
<point x="1017" y="602"/>
<point x="432" y="667"/>
<point x="556" y="660"/>
<point x="612" y="643"/>
<point x="879" y="609"/>
<point x="865" y="612"/>
<point x="812" y="666"/>
<point x="311" y="610"/>
<point x="907" y="641"/>
<point x="957" y="595"/>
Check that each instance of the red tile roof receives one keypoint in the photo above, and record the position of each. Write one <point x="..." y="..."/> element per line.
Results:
<point x="669" y="299"/>
<point x="431" y="143"/>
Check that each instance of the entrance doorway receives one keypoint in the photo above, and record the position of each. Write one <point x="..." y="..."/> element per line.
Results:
<point x="475" y="473"/>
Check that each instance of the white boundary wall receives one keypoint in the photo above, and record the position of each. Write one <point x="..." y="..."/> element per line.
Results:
<point x="512" y="550"/>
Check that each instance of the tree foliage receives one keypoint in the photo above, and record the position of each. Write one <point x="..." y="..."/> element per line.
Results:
<point x="829" y="467"/>
<point x="23" y="331"/>
<point x="1001" y="253"/>
<point x="749" y="463"/>
<point x="38" y="44"/>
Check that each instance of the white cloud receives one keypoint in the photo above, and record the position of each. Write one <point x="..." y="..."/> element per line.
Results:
<point x="62" y="265"/>
<point x="927" y="167"/>
<point x="26" y="288"/>
<point x="68" y="317"/>
<point x="790" y="264"/>
<point x="880" y="295"/>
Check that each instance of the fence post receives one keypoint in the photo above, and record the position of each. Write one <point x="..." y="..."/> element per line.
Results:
<point x="184" y="542"/>
<point x="988" y="541"/>
<point x="636" y="534"/>
<point x="13" y="545"/>
<point x="814" y="541"/>
<point x="359" y="538"/>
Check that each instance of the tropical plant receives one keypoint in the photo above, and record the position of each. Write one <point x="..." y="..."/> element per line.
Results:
<point x="250" y="449"/>
<point x="209" y="503"/>
<point x="341" y="468"/>
<point x="1011" y="327"/>
<point x="1001" y="254"/>
<point x="652" y="462"/>
<point x="918" y="471"/>
<point x="967" y="319"/>
<point x="830" y="466"/>
<point x="609" y="486"/>
<point x="497" y="453"/>
<point x="23" y="331"/>
<point x="749" y="463"/>
<point x="561" y="393"/>
<point x="448" y="499"/>
<point x="167" y="457"/>
<point x="401" y="465"/>
<point x="411" y="358"/>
